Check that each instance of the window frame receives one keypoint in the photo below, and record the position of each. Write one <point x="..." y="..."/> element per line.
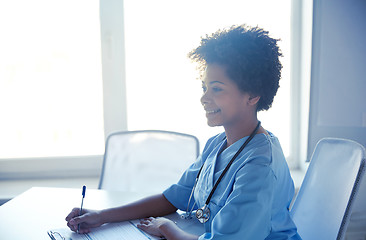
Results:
<point x="301" y="48"/>
<point x="115" y="107"/>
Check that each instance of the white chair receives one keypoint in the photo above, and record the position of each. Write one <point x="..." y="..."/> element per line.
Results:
<point x="323" y="205"/>
<point x="146" y="161"/>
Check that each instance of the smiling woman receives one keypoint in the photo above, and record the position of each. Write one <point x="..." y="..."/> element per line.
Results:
<point x="224" y="103"/>
<point x="159" y="35"/>
<point x="241" y="184"/>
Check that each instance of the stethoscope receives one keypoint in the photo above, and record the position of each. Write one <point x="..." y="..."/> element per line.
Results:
<point x="203" y="214"/>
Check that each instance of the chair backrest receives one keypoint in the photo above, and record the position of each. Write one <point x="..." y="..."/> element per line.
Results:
<point x="146" y="161"/>
<point x="323" y="205"/>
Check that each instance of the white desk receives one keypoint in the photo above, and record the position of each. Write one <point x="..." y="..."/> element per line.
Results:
<point x="31" y="214"/>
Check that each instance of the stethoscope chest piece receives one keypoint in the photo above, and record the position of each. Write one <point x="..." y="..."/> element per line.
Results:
<point x="203" y="214"/>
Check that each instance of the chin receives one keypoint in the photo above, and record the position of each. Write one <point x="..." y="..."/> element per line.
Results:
<point x="213" y="124"/>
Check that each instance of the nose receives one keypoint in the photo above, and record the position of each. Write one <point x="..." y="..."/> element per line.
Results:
<point x="205" y="98"/>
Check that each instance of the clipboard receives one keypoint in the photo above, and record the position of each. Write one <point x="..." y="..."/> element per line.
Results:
<point x="122" y="231"/>
<point x="126" y="230"/>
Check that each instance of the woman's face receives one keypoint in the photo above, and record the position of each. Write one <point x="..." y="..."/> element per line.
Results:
<point x="224" y="103"/>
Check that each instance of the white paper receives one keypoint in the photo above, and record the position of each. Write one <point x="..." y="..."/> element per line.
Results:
<point x="128" y="230"/>
<point x="111" y="231"/>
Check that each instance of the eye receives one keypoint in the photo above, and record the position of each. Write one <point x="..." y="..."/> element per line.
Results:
<point x="216" y="89"/>
<point x="204" y="88"/>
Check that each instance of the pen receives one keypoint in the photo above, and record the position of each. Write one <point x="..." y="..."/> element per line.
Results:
<point x="81" y="207"/>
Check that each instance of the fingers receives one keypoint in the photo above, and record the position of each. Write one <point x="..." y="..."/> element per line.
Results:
<point x="74" y="212"/>
<point x="144" y="225"/>
<point x="88" y="220"/>
<point x="151" y="226"/>
<point x="72" y="226"/>
<point x="73" y="220"/>
<point x="84" y="230"/>
<point x="146" y="221"/>
<point x="74" y="223"/>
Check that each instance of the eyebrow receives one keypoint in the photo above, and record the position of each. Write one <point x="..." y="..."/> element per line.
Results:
<point x="213" y="82"/>
<point x="217" y="82"/>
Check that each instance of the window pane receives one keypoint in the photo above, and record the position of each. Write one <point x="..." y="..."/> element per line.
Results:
<point x="162" y="90"/>
<point x="50" y="78"/>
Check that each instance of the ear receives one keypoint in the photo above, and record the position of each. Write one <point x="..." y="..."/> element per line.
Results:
<point x="253" y="100"/>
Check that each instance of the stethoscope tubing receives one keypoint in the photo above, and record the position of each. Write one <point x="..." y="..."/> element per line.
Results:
<point x="222" y="174"/>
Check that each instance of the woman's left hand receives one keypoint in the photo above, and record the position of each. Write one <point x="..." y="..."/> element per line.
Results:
<point x="154" y="226"/>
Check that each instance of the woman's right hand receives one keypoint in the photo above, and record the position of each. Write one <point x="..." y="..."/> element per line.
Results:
<point x="89" y="219"/>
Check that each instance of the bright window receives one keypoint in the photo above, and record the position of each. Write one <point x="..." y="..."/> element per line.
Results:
<point x="162" y="87"/>
<point x="50" y="70"/>
<point x="50" y="79"/>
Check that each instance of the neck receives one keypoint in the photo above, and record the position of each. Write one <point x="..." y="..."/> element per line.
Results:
<point x="235" y="133"/>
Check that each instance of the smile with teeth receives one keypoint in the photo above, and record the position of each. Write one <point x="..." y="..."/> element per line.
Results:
<point x="212" y="111"/>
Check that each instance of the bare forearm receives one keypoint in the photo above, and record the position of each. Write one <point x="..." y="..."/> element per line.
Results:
<point x="156" y="205"/>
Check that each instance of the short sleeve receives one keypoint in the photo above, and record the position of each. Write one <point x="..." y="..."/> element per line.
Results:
<point x="247" y="212"/>
<point x="178" y="194"/>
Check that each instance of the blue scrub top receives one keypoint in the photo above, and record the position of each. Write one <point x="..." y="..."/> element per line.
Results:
<point x="252" y="199"/>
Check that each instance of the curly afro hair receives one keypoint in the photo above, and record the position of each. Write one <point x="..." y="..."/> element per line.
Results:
<point x="250" y="57"/>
